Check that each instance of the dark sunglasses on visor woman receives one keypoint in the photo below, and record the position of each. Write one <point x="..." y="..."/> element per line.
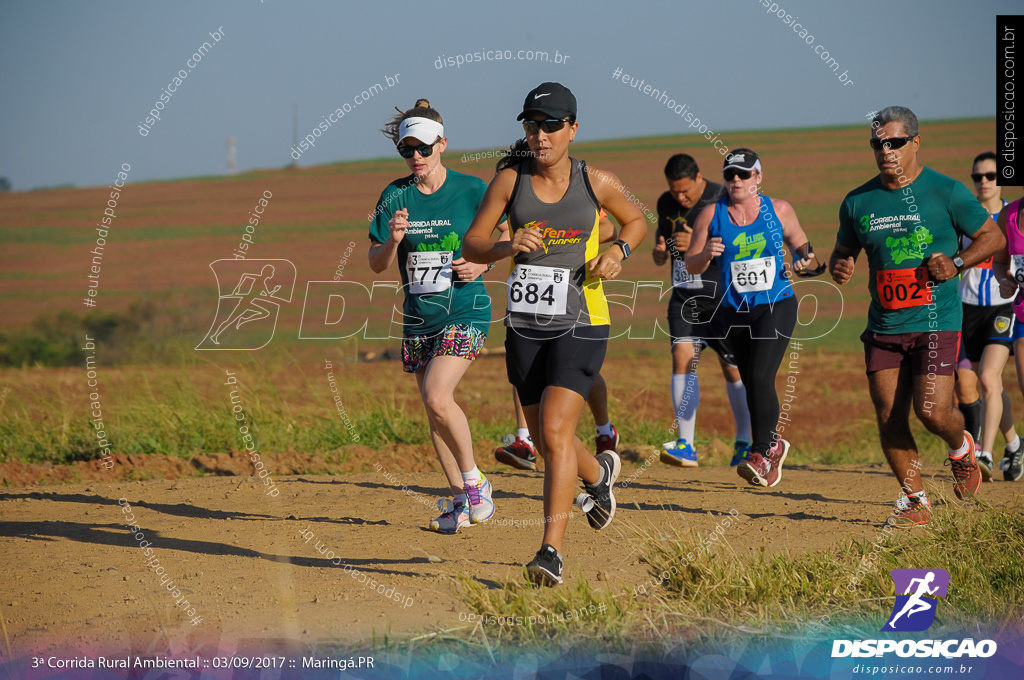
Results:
<point x="406" y="151"/>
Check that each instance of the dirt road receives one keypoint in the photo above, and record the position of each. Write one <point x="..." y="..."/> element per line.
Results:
<point x="251" y="565"/>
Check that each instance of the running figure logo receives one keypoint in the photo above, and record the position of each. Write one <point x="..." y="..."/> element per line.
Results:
<point x="915" y="605"/>
<point x="255" y="299"/>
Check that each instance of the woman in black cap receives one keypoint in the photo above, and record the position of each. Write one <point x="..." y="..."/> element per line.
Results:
<point x="745" y="231"/>
<point x="557" y="317"/>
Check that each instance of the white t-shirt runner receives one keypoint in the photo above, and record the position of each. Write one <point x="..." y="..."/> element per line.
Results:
<point x="979" y="285"/>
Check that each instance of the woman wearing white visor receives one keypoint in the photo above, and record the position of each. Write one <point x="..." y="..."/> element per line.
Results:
<point x="420" y="222"/>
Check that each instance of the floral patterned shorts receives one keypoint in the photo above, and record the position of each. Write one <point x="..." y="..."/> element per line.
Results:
<point x="458" y="340"/>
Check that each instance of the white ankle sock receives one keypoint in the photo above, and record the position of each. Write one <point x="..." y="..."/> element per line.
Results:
<point x="472" y="478"/>
<point x="961" y="452"/>
<point x="1014" y="445"/>
<point x="524" y="434"/>
<point x="605" y="429"/>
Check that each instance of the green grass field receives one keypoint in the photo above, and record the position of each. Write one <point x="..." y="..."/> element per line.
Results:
<point x="157" y="304"/>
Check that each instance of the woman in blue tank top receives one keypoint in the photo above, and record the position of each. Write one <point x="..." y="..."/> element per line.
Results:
<point x="745" y="231"/>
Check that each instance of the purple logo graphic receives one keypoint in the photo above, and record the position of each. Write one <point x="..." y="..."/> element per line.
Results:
<point x="916" y="590"/>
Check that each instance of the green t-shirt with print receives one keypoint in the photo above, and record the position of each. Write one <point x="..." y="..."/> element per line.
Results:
<point x="434" y="297"/>
<point x="899" y="229"/>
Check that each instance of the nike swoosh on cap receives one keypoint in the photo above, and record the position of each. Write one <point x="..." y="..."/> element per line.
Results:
<point x="538" y="96"/>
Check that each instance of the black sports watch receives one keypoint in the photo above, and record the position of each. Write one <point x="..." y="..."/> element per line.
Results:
<point x="625" y="248"/>
<point x="958" y="262"/>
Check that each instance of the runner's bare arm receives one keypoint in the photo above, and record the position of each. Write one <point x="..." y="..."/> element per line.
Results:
<point x="502" y="230"/>
<point x="702" y="250"/>
<point x="606" y="230"/>
<point x="986" y="241"/>
<point x="382" y="255"/>
<point x="470" y="271"/>
<point x="795" y="237"/>
<point x="634" y="227"/>
<point x="681" y="238"/>
<point x="477" y="245"/>
<point x="842" y="263"/>
<point x="660" y="252"/>
<point x="1001" y="260"/>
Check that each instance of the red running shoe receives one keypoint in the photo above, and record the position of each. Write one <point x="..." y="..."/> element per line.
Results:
<point x="608" y="443"/>
<point x="765" y="470"/>
<point x="910" y="512"/>
<point x="966" y="472"/>
<point x="518" y="454"/>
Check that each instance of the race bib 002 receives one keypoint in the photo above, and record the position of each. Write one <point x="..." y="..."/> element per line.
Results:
<point x="681" y="278"/>
<point x="753" y="276"/>
<point x="538" y="290"/>
<point x="429" y="272"/>
<point x="902" y="288"/>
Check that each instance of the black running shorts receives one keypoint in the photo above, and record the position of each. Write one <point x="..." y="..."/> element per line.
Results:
<point x="694" y="319"/>
<point x="571" y="359"/>
<point x="986" y="325"/>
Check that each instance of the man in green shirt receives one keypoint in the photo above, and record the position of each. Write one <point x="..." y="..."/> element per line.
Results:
<point x="908" y="221"/>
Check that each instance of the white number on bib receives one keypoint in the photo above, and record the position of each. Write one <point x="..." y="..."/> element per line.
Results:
<point x="538" y="290"/>
<point x="682" y="278"/>
<point x="429" y="272"/>
<point x="1017" y="266"/>
<point x="752" y="276"/>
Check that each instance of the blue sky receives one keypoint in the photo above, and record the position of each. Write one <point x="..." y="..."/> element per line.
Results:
<point x="78" y="77"/>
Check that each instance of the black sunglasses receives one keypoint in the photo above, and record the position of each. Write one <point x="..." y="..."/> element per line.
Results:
<point x="406" y="151"/>
<point x="976" y="176"/>
<point x="548" y="125"/>
<point x="730" y="173"/>
<point x="890" y="142"/>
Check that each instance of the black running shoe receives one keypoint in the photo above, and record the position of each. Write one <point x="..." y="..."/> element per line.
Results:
<point x="545" y="569"/>
<point x="1012" y="464"/>
<point x="601" y="506"/>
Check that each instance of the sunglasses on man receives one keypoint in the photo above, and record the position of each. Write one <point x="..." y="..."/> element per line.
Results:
<point x="889" y="142"/>
<point x="406" y="151"/>
<point x="977" y="176"/>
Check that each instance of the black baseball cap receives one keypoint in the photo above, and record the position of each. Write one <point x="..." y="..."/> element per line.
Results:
<point x="742" y="159"/>
<point x="552" y="99"/>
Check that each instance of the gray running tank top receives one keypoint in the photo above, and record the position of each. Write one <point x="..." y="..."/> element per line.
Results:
<point x="569" y="229"/>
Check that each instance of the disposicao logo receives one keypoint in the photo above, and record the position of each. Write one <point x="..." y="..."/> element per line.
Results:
<point x="249" y="292"/>
<point x="917" y="591"/>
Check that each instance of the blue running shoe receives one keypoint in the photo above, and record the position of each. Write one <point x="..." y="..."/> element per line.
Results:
<point x="454" y="516"/>
<point x="678" y="453"/>
<point x="740" y="451"/>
